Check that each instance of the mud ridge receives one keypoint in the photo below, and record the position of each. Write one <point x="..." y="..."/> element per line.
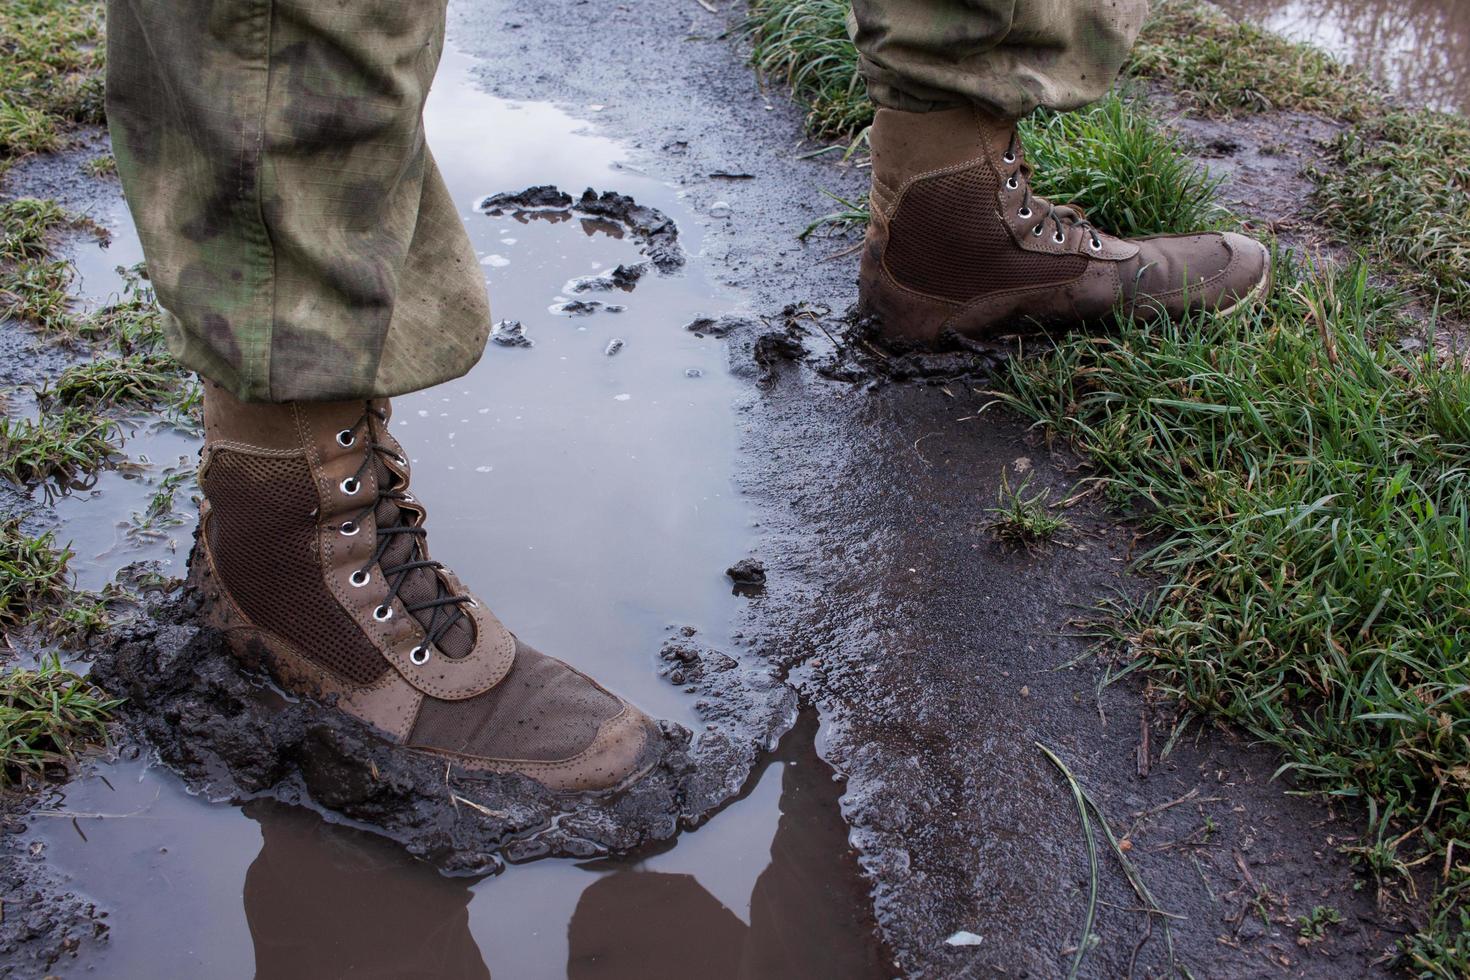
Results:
<point x="654" y="231"/>
<point x="231" y="735"/>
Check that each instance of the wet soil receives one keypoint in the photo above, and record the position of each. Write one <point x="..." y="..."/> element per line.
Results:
<point x="937" y="658"/>
<point x="592" y="497"/>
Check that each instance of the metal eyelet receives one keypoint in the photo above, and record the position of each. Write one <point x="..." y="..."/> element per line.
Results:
<point x="1096" y="244"/>
<point x="1009" y="158"/>
<point x="472" y="604"/>
<point x="1012" y="183"/>
<point x="408" y="498"/>
<point x="359" y="578"/>
<point x="1059" y="238"/>
<point x="349" y="528"/>
<point x="345" y="438"/>
<point x="1024" y="213"/>
<point x="350" y="486"/>
<point x="1036" y="231"/>
<point x="383" y="613"/>
<point x="419" y="655"/>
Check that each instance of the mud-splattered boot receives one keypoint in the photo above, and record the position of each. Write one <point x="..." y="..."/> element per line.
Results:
<point x="957" y="241"/>
<point x="312" y="559"/>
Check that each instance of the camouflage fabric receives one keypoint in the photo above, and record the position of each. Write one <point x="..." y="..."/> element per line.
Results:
<point x="297" y="231"/>
<point x="1006" y="56"/>
<point x="295" y="226"/>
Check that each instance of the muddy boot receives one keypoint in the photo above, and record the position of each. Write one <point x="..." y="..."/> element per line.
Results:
<point x="958" y="242"/>
<point x="312" y="559"/>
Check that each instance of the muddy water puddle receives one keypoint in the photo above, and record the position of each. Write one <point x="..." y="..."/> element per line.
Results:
<point x="1419" y="48"/>
<point x="583" y="485"/>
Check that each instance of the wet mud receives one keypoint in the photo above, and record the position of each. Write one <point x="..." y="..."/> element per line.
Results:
<point x="940" y="660"/>
<point x="654" y="231"/>
<point x="231" y="735"/>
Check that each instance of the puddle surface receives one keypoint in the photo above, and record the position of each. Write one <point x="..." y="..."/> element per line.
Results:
<point x="587" y="496"/>
<point x="1419" y="48"/>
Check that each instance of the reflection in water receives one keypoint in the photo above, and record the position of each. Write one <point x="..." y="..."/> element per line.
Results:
<point x="322" y="900"/>
<point x="1418" y="47"/>
<point x="803" y="909"/>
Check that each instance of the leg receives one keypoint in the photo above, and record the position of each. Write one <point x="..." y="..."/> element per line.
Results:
<point x="296" y="228"/>
<point x="312" y="263"/>
<point x="957" y="241"/>
<point x="1005" y="56"/>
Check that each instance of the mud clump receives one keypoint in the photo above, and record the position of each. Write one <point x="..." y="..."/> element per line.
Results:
<point x="623" y="277"/>
<point x="231" y="735"/>
<point x="720" y="326"/>
<point x="749" y="576"/>
<point x="654" y="231"/>
<point x="511" y="333"/>
<point x="863" y="354"/>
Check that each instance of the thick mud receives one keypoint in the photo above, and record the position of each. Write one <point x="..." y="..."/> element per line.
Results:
<point x="230" y="735"/>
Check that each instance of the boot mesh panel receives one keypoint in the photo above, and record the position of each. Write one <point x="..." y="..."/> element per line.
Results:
<point x="947" y="240"/>
<point x="542" y="710"/>
<point x="263" y="537"/>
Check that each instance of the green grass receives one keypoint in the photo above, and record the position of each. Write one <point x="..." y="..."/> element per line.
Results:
<point x="51" y="56"/>
<point x="1398" y="187"/>
<point x="60" y="447"/>
<point x="135" y="380"/>
<point x="1024" y="521"/>
<point x="32" y="573"/>
<point x="1130" y="176"/>
<point x="47" y="716"/>
<point x="804" y="43"/>
<point x="1309" y="485"/>
<point x="1226" y="66"/>
<point x="35" y="588"/>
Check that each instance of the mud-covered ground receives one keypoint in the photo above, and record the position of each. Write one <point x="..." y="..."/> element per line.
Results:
<point x="940" y="661"/>
<point x="938" y="658"/>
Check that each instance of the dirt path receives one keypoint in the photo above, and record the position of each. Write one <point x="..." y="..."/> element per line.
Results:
<point x="938" y="658"/>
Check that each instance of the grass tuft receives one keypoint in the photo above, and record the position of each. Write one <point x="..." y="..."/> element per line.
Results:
<point x="51" y="56"/>
<point x="56" y="447"/>
<point x="1129" y="175"/>
<point x="1024" y="521"/>
<point x="1399" y="188"/>
<point x="804" y="43"/>
<point x="47" y="716"/>
<point x="33" y="573"/>
<point x="138" y="379"/>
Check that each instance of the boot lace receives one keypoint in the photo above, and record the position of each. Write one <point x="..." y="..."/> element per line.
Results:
<point x="437" y="615"/>
<point x="1062" y="217"/>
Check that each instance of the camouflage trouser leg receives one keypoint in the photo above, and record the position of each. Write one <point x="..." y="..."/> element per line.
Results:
<point x="295" y="226"/>
<point x="1007" y="56"/>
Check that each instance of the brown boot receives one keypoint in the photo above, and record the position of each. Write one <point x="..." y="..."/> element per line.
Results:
<point x="958" y="242"/>
<point x="312" y="559"/>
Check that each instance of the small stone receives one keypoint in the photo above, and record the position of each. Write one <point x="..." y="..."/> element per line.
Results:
<point x="747" y="571"/>
<point x="720" y="209"/>
<point x="613" y="346"/>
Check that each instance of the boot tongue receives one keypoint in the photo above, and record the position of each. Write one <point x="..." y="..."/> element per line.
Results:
<point x="421" y="584"/>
